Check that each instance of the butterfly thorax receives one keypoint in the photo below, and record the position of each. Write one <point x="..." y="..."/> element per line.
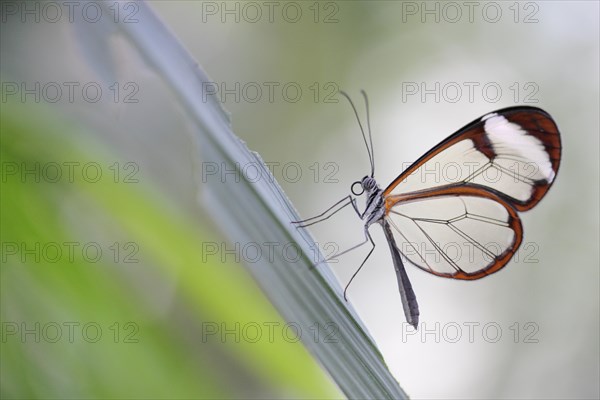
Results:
<point x="375" y="210"/>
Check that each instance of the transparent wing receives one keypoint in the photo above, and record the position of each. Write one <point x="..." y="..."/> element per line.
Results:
<point x="459" y="231"/>
<point x="514" y="152"/>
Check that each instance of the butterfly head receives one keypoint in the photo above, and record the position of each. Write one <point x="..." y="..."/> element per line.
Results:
<point x="367" y="184"/>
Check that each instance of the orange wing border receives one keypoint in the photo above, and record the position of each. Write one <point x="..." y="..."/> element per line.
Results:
<point x="514" y="223"/>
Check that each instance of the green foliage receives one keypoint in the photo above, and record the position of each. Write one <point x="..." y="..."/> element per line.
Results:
<point x="154" y="342"/>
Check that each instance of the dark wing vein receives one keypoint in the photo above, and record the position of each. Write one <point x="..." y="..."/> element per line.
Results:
<point x="450" y="224"/>
<point x="408" y="242"/>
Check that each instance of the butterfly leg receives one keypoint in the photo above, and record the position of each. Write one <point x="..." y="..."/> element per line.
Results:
<point x="344" y="252"/>
<point x="320" y="218"/>
<point x="367" y="238"/>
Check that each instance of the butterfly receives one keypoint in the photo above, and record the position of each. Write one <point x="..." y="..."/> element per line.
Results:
<point x="454" y="212"/>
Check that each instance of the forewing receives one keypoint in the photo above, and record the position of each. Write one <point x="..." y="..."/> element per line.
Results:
<point x="514" y="152"/>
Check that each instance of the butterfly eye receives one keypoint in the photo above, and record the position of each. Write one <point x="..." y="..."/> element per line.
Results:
<point x="356" y="192"/>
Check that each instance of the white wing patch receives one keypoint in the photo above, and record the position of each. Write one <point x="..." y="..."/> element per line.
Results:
<point x="508" y="137"/>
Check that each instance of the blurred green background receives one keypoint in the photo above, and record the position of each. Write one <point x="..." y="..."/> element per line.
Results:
<point x="136" y="320"/>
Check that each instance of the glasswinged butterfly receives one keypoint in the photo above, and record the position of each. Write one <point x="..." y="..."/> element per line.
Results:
<point x="454" y="211"/>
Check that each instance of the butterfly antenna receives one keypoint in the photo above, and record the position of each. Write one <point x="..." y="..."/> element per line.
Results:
<point x="370" y="136"/>
<point x="369" y="150"/>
